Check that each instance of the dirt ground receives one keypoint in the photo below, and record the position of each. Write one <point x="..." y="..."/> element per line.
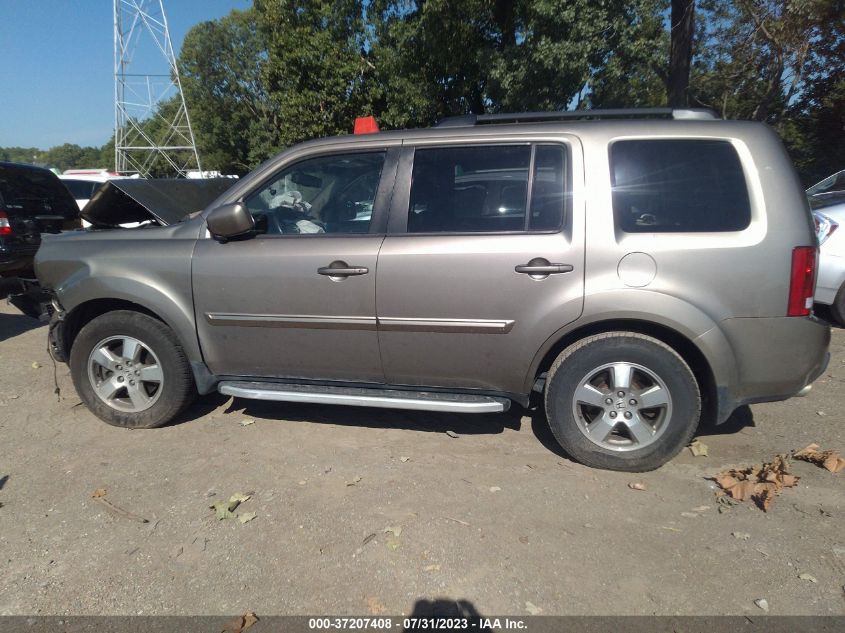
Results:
<point x="367" y="511"/>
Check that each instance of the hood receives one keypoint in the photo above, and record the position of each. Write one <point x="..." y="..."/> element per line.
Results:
<point x="167" y="201"/>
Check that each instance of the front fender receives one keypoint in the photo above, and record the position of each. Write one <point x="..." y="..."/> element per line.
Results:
<point x="149" y="267"/>
<point x="170" y="304"/>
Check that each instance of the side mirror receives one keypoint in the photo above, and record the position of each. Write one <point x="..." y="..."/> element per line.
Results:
<point x="230" y="221"/>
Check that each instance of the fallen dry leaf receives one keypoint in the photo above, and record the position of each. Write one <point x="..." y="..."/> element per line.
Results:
<point x="743" y="536"/>
<point x="397" y="530"/>
<point x="830" y="460"/>
<point x="431" y="568"/>
<point x="808" y="577"/>
<point x="763" y="604"/>
<point x="452" y="434"/>
<point x="635" y="485"/>
<point x="404" y="459"/>
<point x="375" y="607"/>
<point x="221" y="509"/>
<point x="247" y="422"/>
<point x="246" y="517"/>
<point x="698" y="448"/>
<point x="99" y="492"/>
<point x="495" y="489"/>
<point x="760" y="483"/>
<point x="532" y="608"/>
<point x="356" y="479"/>
<point x="36" y="365"/>
<point x="240" y="623"/>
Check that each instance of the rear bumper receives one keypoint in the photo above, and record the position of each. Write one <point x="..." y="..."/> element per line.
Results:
<point x="776" y="358"/>
<point x="15" y="256"/>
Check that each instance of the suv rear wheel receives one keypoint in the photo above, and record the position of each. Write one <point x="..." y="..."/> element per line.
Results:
<point x="622" y="401"/>
<point x="130" y="370"/>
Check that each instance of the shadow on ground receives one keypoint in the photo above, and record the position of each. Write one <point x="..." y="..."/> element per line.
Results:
<point x="427" y="421"/>
<point x="740" y="419"/>
<point x="11" y="325"/>
<point x="443" y="608"/>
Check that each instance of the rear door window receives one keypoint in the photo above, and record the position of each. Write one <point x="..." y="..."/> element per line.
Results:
<point x="668" y="186"/>
<point x="485" y="189"/>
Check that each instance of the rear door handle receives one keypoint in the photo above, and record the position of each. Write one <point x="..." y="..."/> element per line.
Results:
<point x="541" y="266"/>
<point x="342" y="269"/>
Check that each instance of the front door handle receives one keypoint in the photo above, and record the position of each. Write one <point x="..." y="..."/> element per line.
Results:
<point x="542" y="267"/>
<point x="342" y="269"/>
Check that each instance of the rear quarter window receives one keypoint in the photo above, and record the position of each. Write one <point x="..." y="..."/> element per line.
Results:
<point x="677" y="186"/>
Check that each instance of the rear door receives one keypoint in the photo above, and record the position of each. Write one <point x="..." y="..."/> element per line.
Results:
<point x="297" y="300"/>
<point x="483" y="261"/>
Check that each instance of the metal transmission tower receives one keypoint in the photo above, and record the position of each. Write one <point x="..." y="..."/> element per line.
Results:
<point x="151" y="122"/>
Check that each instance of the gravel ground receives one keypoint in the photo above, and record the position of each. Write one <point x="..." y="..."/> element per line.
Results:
<point x="366" y="511"/>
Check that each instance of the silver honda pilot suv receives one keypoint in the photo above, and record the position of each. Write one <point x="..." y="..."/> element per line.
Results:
<point x="635" y="272"/>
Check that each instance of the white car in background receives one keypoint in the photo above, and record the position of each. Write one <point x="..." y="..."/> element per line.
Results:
<point x="82" y="183"/>
<point x="827" y="199"/>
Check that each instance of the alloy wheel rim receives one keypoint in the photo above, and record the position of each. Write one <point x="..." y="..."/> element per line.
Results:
<point x="622" y="406"/>
<point x="125" y="374"/>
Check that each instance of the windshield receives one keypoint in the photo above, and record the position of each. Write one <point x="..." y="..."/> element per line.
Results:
<point x="835" y="182"/>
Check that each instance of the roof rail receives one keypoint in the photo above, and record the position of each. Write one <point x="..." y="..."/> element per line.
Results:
<point x="468" y="120"/>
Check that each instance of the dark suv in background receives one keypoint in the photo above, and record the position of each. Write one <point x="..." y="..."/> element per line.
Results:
<point x="32" y="201"/>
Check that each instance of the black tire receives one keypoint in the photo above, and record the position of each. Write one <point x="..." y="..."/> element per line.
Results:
<point x="837" y="308"/>
<point x="583" y="357"/>
<point x="177" y="389"/>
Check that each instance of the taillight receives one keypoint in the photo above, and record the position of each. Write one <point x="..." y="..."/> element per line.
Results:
<point x="825" y="226"/>
<point x="5" y="225"/>
<point x="802" y="281"/>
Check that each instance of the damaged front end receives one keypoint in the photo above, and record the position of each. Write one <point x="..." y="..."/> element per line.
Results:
<point x="38" y="303"/>
<point x="133" y="202"/>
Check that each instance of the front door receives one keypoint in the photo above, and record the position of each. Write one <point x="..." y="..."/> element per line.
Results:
<point x="297" y="300"/>
<point x="483" y="262"/>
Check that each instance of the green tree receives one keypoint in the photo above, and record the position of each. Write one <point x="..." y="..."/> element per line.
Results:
<point x="635" y="71"/>
<point x="222" y="62"/>
<point x="435" y="58"/>
<point x="316" y="68"/>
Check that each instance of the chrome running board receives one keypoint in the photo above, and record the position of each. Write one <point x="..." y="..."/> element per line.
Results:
<point x="362" y="397"/>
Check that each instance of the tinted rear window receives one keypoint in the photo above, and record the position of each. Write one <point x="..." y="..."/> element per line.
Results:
<point x="664" y="186"/>
<point x="81" y="189"/>
<point x="35" y="191"/>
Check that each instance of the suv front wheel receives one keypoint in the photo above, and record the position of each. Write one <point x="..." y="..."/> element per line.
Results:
<point x="622" y="401"/>
<point x="130" y="371"/>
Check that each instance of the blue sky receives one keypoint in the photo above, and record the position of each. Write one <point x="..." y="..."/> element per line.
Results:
<point x="56" y="66"/>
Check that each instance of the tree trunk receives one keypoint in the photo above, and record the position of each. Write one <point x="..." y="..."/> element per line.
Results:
<point x="680" y="52"/>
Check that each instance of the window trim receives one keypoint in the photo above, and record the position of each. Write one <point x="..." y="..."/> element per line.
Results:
<point x="381" y="203"/>
<point x="400" y="206"/>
